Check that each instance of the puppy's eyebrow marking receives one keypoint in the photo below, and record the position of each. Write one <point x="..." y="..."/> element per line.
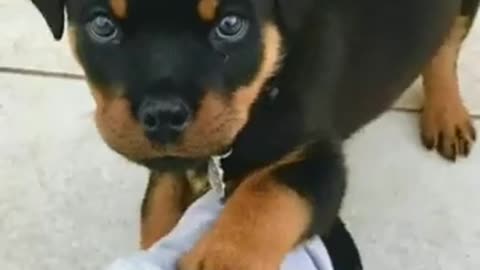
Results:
<point x="207" y="9"/>
<point x="119" y="8"/>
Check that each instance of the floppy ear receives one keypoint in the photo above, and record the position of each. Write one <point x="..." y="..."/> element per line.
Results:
<point x="293" y="13"/>
<point x="53" y="12"/>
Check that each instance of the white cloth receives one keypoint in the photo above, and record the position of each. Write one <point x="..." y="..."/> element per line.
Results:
<point x="196" y="220"/>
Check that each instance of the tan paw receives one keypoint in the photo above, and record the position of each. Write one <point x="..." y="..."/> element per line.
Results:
<point x="447" y="127"/>
<point x="216" y="253"/>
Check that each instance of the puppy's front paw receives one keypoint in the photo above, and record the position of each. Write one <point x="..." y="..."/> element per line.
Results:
<point x="215" y="253"/>
<point x="447" y="127"/>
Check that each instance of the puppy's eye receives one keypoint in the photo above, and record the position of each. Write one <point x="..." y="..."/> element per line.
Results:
<point x="102" y="29"/>
<point x="232" y="28"/>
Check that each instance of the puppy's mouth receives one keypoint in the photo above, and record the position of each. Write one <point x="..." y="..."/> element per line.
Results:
<point x="181" y="163"/>
<point x="171" y="163"/>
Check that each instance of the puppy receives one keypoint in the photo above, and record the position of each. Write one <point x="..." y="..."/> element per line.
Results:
<point x="281" y="83"/>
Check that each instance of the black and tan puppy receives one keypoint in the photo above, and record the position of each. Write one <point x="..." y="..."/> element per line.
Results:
<point x="282" y="83"/>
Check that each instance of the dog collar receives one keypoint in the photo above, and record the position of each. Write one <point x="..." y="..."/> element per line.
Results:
<point x="216" y="173"/>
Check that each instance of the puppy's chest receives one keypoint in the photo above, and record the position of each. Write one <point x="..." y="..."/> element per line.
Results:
<point x="198" y="181"/>
<point x="212" y="175"/>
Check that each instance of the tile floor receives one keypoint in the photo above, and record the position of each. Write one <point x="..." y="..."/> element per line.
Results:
<point x="67" y="202"/>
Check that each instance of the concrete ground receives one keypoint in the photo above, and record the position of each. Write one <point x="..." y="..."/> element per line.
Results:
<point x="67" y="202"/>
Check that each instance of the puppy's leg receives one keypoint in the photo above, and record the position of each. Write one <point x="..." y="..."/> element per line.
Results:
<point x="166" y="198"/>
<point x="446" y="124"/>
<point x="272" y="211"/>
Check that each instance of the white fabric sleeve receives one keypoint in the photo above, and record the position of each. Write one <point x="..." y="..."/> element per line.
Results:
<point x="196" y="220"/>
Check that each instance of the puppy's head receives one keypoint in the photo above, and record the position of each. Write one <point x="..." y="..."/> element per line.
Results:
<point x="171" y="78"/>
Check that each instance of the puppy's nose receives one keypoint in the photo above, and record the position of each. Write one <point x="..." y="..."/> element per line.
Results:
<point x="163" y="119"/>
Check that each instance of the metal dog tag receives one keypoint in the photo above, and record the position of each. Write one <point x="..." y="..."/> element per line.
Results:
<point x="215" y="174"/>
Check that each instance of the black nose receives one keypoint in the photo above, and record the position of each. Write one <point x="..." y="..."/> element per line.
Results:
<point x="164" y="118"/>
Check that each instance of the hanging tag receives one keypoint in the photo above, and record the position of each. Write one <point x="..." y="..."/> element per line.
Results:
<point x="215" y="174"/>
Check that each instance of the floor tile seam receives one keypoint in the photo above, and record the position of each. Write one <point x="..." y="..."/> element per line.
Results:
<point x="40" y="73"/>
<point x="475" y="116"/>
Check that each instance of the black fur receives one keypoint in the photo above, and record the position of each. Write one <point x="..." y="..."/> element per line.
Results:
<point x="53" y="13"/>
<point x="470" y="8"/>
<point x="342" y="248"/>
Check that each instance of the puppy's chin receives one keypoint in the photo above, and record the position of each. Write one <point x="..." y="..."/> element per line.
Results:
<point x="179" y="163"/>
<point x="172" y="163"/>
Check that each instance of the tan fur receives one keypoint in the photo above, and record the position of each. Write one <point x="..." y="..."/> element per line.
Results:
<point x="207" y="9"/>
<point x="244" y="98"/>
<point x="118" y="127"/>
<point x="261" y="223"/>
<point x="119" y="8"/>
<point x="166" y="199"/>
<point x="198" y="182"/>
<point x="446" y="124"/>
